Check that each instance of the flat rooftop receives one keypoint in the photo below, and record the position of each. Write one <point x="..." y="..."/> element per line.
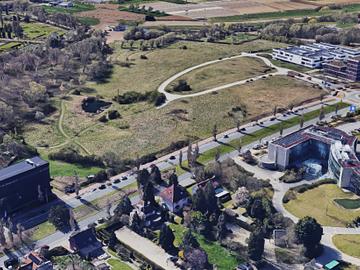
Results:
<point x="21" y="167"/>
<point x="324" y="134"/>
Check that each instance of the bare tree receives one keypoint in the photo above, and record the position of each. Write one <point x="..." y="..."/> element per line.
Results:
<point x="214" y="132"/>
<point x="239" y="146"/>
<point x="2" y="234"/>
<point x="238" y="124"/>
<point x="281" y="131"/>
<point x="76" y="184"/>
<point x="108" y="208"/>
<point x="20" y="231"/>
<point x="322" y="113"/>
<point x="275" y="111"/>
<point x="302" y="121"/>
<point x="72" y="221"/>
<point x="217" y="155"/>
<point x="180" y="158"/>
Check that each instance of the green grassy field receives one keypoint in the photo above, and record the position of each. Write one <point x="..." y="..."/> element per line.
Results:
<point x="89" y="20"/>
<point x="217" y="254"/>
<point x="221" y="73"/>
<point x="9" y="45"/>
<point x="78" y="7"/>
<point x="42" y="230"/>
<point x="319" y="203"/>
<point x="287" y="14"/>
<point x="38" y="30"/>
<point x="348" y="243"/>
<point x="118" y="265"/>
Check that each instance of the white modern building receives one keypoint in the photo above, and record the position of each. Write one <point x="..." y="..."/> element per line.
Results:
<point x="318" y="150"/>
<point x="315" y="54"/>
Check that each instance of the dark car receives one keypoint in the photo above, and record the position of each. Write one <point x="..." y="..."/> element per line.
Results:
<point x="102" y="186"/>
<point x="116" y="181"/>
<point x="123" y="178"/>
<point x="11" y="262"/>
<point x="243" y="129"/>
<point x="172" y="157"/>
<point x="69" y="189"/>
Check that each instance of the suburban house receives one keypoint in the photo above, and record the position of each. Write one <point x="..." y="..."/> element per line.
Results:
<point x="34" y="261"/>
<point x="23" y="185"/>
<point x="150" y="214"/>
<point x="221" y="193"/>
<point x="86" y="244"/>
<point x="174" y="197"/>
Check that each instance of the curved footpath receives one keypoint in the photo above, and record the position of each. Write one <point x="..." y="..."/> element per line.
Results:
<point x="331" y="252"/>
<point x="279" y="71"/>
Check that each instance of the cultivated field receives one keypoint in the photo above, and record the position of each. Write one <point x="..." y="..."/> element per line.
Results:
<point x="319" y="203"/>
<point x="222" y="73"/>
<point x="212" y="9"/>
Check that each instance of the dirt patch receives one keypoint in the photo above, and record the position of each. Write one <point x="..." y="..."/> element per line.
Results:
<point x="108" y="14"/>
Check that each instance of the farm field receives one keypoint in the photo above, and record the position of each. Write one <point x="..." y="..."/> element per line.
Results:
<point x="348" y="243"/>
<point x="222" y="73"/>
<point x="319" y="203"/>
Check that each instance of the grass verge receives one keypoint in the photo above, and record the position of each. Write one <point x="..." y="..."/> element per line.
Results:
<point x="348" y="243"/>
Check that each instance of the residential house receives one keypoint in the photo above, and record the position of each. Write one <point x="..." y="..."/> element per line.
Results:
<point x="174" y="197"/>
<point x="86" y="244"/>
<point x="34" y="261"/>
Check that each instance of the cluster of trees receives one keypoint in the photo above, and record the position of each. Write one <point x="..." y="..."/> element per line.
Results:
<point x="138" y="32"/>
<point x="133" y="97"/>
<point x="290" y="32"/>
<point x="25" y="73"/>
<point x="12" y="235"/>
<point x="61" y="19"/>
<point x="8" y="29"/>
<point x="142" y="10"/>
<point x="181" y="86"/>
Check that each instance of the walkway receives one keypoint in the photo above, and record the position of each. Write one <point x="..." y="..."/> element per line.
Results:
<point x="279" y="71"/>
<point x="330" y="251"/>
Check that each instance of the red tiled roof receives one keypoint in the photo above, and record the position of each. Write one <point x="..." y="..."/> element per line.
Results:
<point x="173" y="194"/>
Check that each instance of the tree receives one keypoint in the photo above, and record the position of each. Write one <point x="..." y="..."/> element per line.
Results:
<point x="166" y="238"/>
<point x="281" y="131"/>
<point x="20" y="231"/>
<point x="142" y="178"/>
<point x="124" y="207"/>
<point x="257" y="210"/>
<point x="173" y="179"/>
<point x="189" y="241"/>
<point x="155" y="174"/>
<point x="59" y="216"/>
<point x="211" y="200"/>
<point x="148" y="196"/>
<point x="241" y="197"/>
<point x="199" y="201"/>
<point x="76" y="184"/>
<point x="180" y="158"/>
<point x="196" y="259"/>
<point x="321" y="114"/>
<point x="238" y="124"/>
<point x="256" y="244"/>
<point x="2" y="235"/>
<point x="221" y="229"/>
<point x="108" y="208"/>
<point x="309" y="232"/>
<point x="302" y="121"/>
<point x="275" y="111"/>
<point x="214" y="132"/>
<point x="72" y="221"/>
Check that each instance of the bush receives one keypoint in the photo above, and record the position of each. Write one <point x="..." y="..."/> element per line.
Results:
<point x="103" y="119"/>
<point x="160" y="99"/>
<point x="113" y="114"/>
<point x="71" y="156"/>
<point x="143" y="56"/>
<point x="182" y="86"/>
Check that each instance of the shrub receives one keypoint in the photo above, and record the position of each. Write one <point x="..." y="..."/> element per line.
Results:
<point x="71" y="156"/>
<point x="113" y="114"/>
<point x="182" y="86"/>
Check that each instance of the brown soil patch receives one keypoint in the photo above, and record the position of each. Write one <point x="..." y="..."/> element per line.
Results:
<point x="108" y="14"/>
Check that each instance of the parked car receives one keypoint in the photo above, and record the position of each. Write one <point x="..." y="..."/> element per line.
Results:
<point x="102" y="186"/>
<point x="172" y="157"/>
<point x="69" y="189"/>
<point x="11" y="263"/>
<point x="123" y="178"/>
<point x="116" y="181"/>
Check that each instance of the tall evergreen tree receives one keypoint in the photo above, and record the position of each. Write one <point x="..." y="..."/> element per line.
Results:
<point x="166" y="238"/>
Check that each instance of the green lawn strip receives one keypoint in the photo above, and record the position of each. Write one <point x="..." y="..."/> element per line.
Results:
<point x="348" y="203"/>
<point x="43" y="230"/>
<point x="118" y="265"/>
<point x="60" y="168"/>
<point x="89" y="20"/>
<point x="348" y="243"/>
<point x="209" y="155"/>
<point x="218" y="255"/>
<point x="78" y="7"/>
<point x="9" y="45"/>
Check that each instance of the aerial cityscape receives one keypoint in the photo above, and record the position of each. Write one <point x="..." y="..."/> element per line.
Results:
<point x="179" y="134"/>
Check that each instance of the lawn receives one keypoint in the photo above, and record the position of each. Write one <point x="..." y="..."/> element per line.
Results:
<point x="9" y="45"/>
<point x="118" y="265"/>
<point x="37" y="30"/>
<point x="348" y="243"/>
<point x="222" y="73"/>
<point x="78" y="7"/>
<point x="59" y="168"/>
<point x="319" y="203"/>
<point x="42" y="230"/>
<point x="218" y="255"/>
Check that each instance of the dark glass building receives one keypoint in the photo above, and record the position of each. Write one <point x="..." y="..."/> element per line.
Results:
<point x="349" y="70"/>
<point x="23" y="185"/>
